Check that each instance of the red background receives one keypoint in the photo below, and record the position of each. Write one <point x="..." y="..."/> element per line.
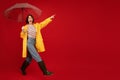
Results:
<point x="82" y="42"/>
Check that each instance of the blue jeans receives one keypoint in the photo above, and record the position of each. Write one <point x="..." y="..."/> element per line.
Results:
<point x="32" y="52"/>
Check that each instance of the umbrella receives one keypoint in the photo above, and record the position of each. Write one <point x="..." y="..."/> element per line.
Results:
<point x="19" y="11"/>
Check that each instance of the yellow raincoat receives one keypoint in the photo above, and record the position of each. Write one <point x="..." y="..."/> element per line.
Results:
<point x="39" y="40"/>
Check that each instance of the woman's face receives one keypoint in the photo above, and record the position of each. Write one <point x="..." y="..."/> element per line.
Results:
<point x="30" y="19"/>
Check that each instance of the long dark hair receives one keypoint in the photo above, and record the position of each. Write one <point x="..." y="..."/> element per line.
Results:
<point x="27" y="18"/>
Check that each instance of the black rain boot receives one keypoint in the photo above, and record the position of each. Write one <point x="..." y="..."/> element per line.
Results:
<point x="24" y="66"/>
<point x="43" y="68"/>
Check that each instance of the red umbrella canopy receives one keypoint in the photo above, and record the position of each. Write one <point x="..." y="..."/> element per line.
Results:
<point x="19" y="11"/>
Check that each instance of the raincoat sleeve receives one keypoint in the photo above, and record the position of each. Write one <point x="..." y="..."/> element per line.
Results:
<point x="23" y="32"/>
<point x="44" y="23"/>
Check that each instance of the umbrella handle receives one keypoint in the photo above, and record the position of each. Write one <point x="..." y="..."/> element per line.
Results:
<point x="22" y="13"/>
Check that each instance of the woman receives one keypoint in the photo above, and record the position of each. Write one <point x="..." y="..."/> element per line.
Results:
<point x="33" y="43"/>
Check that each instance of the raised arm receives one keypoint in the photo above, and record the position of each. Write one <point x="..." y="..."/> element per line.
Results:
<point x="46" y="21"/>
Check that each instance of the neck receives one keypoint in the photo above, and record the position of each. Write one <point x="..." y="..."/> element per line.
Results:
<point x="30" y="23"/>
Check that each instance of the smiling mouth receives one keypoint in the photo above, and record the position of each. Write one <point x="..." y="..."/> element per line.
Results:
<point x="30" y="20"/>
